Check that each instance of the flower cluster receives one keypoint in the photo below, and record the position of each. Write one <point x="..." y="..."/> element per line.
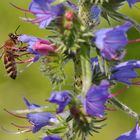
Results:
<point x="73" y="37"/>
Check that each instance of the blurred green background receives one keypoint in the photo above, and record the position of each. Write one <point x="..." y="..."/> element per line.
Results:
<point x="35" y="86"/>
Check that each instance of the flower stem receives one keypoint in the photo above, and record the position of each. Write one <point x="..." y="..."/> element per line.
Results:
<point x="86" y="69"/>
<point x="77" y="74"/>
<point x="124" y="108"/>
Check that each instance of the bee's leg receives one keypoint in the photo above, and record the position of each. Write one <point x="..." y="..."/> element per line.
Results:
<point x="22" y="49"/>
<point x="15" y="49"/>
<point x="24" y="61"/>
<point x="1" y="47"/>
<point x="1" y="54"/>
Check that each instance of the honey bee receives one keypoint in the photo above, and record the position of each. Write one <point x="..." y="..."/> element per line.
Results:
<point x="10" y="53"/>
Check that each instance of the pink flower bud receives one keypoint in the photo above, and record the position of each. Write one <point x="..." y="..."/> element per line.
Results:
<point x="69" y="15"/>
<point x="43" y="47"/>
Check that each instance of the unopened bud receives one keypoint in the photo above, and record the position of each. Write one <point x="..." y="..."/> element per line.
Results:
<point x="69" y="15"/>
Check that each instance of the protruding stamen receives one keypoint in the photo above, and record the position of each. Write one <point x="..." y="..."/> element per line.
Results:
<point x="135" y="40"/>
<point x="25" y="61"/>
<point x="34" y="12"/>
<point x="16" y="133"/>
<point x="119" y="92"/>
<point x="110" y="109"/>
<point x="23" y="117"/>
<point x="18" y="126"/>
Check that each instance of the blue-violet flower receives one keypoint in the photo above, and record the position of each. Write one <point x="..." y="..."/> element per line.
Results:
<point x="61" y="98"/>
<point x="112" y="41"/>
<point x="134" y="134"/>
<point x="132" y="2"/>
<point x="96" y="97"/>
<point x="39" y="120"/>
<point x="52" y="137"/>
<point x="45" y="13"/>
<point x="125" y="71"/>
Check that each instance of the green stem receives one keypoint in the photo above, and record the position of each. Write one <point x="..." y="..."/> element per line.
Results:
<point x="86" y="69"/>
<point x="124" y="108"/>
<point x="77" y="73"/>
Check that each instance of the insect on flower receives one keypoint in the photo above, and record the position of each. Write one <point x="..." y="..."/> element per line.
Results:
<point x="10" y="53"/>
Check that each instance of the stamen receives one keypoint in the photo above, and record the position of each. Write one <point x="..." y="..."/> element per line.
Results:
<point x="136" y="40"/>
<point x="25" y="61"/>
<point x="23" y="117"/>
<point x="119" y="92"/>
<point x="39" y="19"/>
<point x="110" y="109"/>
<point x="33" y="12"/>
<point x="136" y="83"/>
<point x="19" y="8"/>
<point x="16" y="133"/>
<point x="129" y="41"/>
<point x="18" y="126"/>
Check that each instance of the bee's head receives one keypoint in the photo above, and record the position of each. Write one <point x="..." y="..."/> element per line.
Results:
<point x="13" y="36"/>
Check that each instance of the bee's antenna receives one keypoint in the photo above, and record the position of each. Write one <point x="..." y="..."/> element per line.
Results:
<point x="17" y="29"/>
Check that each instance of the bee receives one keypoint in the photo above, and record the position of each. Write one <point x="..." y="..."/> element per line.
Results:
<point x="10" y="53"/>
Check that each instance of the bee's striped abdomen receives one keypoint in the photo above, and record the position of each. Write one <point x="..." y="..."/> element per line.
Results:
<point x="10" y="65"/>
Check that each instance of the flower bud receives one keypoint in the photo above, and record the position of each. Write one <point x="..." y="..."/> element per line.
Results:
<point x="69" y="15"/>
<point x="43" y="47"/>
<point x="69" y="25"/>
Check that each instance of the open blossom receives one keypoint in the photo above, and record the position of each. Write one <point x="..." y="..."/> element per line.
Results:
<point x="44" y="12"/>
<point x="132" y="2"/>
<point x="134" y="134"/>
<point x="52" y="137"/>
<point x="62" y="98"/>
<point x="125" y="71"/>
<point x="96" y="97"/>
<point x="112" y="41"/>
<point x="39" y="120"/>
<point x="37" y="46"/>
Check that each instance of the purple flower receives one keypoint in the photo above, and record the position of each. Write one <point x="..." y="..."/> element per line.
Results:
<point x="52" y="137"/>
<point x="37" y="46"/>
<point x="125" y="71"/>
<point x="38" y="120"/>
<point x="61" y="98"/>
<point x="112" y="41"/>
<point x="134" y="134"/>
<point x="96" y="97"/>
<point x="44" y="12"/>
<point x="132" y="2"/>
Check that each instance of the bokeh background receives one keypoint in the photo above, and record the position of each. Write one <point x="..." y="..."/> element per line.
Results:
<point x="36" y="87"/>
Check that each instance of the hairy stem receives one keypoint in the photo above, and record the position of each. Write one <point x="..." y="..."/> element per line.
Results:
<point x="124" y="108"/>
<point x="86" y="69"/>
<point x="77" y="73"/>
